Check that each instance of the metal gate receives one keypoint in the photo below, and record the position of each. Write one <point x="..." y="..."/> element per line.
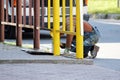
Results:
<point x="42" y="14"/>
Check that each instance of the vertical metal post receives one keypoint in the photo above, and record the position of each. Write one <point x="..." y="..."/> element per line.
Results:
<point x="43" y="11"/>
<point x="30" y="12"/>
<point x="1" y="19"/>
<point x="24" y="9"/>
<point x="6" y="10"/>
<point x="64" y="14"/>
<point x="19" y="21"/>
<point x="49" y="1"/>
<point x="71" y="15"/>
<point x="79" y="30"/>
<point x="36" y="24"/>
<point x="56" y="26"/>
<point x="12" y="17"/>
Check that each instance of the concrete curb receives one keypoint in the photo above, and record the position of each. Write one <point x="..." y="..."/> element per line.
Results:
<point x="105" y="16"/>
<point x="21" y="61"/>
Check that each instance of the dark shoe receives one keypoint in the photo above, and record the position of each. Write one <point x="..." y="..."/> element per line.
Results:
<point x="94" y="51"/>
<point x="62" y="45"/>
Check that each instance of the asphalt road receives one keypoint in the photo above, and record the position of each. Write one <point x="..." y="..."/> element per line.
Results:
<point x="109" y="54"/>
<point x="110" y="30"/>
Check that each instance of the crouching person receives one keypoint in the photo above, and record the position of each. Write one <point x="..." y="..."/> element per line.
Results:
<point x="91" y="37"/>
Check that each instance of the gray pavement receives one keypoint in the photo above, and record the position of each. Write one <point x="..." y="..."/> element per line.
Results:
<point x="56" y="72"/>
<point x="13" y="54"/>
<point x="14" y="65"/>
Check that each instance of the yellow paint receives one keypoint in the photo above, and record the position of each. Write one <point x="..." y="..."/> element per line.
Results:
<point x="79" y="37"/>
<point x="64" y="15"/>
<point x="71" y="15"/>
<point x="49" y="14"/>
<point x="56" y="26"/>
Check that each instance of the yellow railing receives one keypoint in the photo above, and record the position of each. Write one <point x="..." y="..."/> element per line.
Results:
<point x="56" y="26"/>
<point x="64" y="16"/>
<point x="49" y="1"/>
<point x="79" y="33"/>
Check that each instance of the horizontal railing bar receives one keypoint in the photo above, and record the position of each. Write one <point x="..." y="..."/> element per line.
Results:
<point x="8" y="23"/>
<point x="20" y="25"/>
<point x="32" y="27"/>
<point x="66" y="32"/>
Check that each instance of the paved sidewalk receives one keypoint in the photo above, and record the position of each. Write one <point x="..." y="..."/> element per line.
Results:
<point x="13" y="54"/>
<point x="65" y="70"/>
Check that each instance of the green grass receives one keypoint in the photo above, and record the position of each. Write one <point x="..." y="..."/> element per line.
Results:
<point x="103" y="6"/>
<point x="30" y="46"/>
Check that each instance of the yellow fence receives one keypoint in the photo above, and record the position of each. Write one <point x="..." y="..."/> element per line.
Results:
<point x="56" y="9"/>
<point x="56" y="25"/>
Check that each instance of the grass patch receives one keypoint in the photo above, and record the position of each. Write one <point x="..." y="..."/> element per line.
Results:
<point x="103" y="6"/>
<point x="30" y="46"/>
<point x="10" y="43"/>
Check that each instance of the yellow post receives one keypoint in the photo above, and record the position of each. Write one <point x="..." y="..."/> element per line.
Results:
<point x="56" y="26"/>
<point x="48" y="13"/>
<point x="71" y="16"/>
<point x="64" y="15"/>
<point x="79" y="30"/>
